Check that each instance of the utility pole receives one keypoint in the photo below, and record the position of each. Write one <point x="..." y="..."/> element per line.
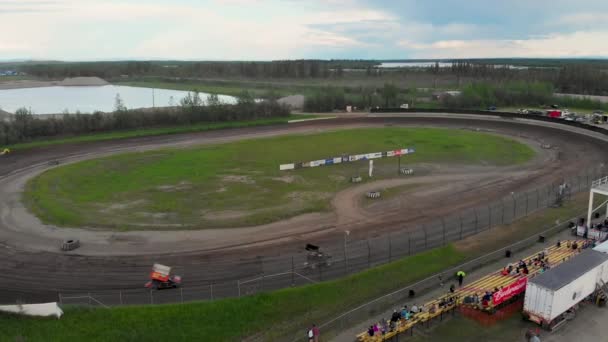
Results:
<point x="346" y="233"/>
<point x="399" y="165"/>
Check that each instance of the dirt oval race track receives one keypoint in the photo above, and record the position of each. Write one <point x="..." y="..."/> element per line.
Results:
<point x="35" y="270"/>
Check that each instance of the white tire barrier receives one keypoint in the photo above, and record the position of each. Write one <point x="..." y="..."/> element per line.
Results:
<point x="70" y="245"/>
<point x="546" y="146"/>
<point x="406" y="171"/>
<point x="356" y="179"/>
<point x="373" y="194"/>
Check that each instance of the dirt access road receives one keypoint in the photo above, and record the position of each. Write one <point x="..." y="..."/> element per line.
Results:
<point x="38" y="271"/>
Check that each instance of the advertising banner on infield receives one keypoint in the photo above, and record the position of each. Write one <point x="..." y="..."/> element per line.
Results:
<point x="510" y="291"/>
<point x="345" y="159"/>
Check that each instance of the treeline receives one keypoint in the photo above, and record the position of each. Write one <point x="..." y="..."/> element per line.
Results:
<point x="332" y="98"/>
<point x="582" y="79"/>
<point x="271" y="69"/>
<point x="510" y="94"/>
<point x="26" y="126"/>
<point x="473" y="96"/>
<point x="480" y="95"/>
<point x="577" y="76"/>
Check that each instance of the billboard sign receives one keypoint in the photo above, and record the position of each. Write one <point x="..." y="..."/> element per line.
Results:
<point x="510" y="291"/>
<point x="345" y="159"/>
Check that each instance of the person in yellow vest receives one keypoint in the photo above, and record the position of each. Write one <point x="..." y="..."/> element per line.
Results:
<point x="460" y="275"/>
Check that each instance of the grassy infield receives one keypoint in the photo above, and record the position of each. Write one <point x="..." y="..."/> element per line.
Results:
<point x="204" y="187"/>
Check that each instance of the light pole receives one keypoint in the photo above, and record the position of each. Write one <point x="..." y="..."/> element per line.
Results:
<point x="514" y="206"/>
<point x="346" y="233"/>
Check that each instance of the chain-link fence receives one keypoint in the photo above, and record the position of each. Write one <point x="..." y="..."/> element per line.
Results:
<point x="351" y="255"/>
<point x="380" y="305"/>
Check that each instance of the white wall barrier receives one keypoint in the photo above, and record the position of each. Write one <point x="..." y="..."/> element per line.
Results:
<point x="44" y="310"/>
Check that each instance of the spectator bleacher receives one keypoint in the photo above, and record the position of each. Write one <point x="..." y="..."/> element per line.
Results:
<point x="552" y="257"/>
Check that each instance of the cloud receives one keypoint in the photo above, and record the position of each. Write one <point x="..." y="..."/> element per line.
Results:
<point x="27" y="6"/>
<point x="280" y="29"/>
<point x="576" y="44"/>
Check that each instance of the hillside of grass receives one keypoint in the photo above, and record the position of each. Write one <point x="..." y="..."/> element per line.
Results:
<point x="274" y="313"/>
<point x="156" y="131"/>
<point x="283" y="312"/>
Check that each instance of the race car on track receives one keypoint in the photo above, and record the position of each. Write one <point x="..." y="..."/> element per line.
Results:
<point x="161" y="278"/>
<point x="4" y="151"/>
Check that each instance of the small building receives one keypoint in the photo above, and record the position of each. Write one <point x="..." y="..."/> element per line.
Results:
<point x="442" y="94"/>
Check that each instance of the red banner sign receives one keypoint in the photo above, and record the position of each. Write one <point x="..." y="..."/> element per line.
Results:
<point x="509" y="291"/>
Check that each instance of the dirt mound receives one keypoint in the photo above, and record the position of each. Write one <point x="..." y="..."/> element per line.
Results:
<point x="83" y="81"/>
<point x="293" y="101"/>
<point x="4" y="115"/>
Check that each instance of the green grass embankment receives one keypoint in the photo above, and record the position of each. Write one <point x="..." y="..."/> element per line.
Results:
<point x="273" y="313"/>
<point x="155" y="131"/>
<point x="280" y="312"/>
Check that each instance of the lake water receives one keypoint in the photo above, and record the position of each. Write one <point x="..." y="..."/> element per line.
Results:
<point x="429" y="64"/>
<point x="55" y="100"/>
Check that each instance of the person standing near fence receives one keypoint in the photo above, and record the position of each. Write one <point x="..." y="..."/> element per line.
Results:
<point x="315" y="333"/>
<point x="460" y="275"/>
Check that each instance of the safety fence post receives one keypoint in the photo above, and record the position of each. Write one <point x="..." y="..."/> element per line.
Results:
<point x="120" y="294"/>
<point x="369" y="255"/>
<point x="409" y="243"/>
<point x="489" y="217"/>
<point x="89" y="298"/>
<point x="181" y="294"/>
<point x="502" y="220"/>
<point x="293" y="271"/>
<point x="151" y="298"/>
<point x="425" y="239"/>
<point x="460" y="227"/>
<point x="211" y="290"/>
<point x="60" y="299"/>
<point x="238" y="285"/>
<point x="476" y="221"/>
<point x="443" y="225"/>
<point x="390" y="248"/>
<point x="514" y="208"/>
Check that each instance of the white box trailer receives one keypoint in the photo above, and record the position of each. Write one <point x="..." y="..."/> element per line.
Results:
<point x="551" y="294"/>
<point x="602" y="247"/>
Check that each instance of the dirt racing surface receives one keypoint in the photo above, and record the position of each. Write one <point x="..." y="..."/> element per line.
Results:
<point x="109" y="261"/>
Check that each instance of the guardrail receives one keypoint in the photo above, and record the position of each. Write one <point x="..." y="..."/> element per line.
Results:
<point x="599" y="182"/>
<point x="494" y="113"/>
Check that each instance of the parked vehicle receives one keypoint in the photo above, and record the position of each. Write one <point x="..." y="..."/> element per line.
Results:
<point x="161" y="278"/>
<point x="552" y="296"/>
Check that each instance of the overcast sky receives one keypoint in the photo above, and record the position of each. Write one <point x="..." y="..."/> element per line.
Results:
<point x="288" y="29"/>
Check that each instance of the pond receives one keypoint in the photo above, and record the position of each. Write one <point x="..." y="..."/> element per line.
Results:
<point x="57" y="99"/>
